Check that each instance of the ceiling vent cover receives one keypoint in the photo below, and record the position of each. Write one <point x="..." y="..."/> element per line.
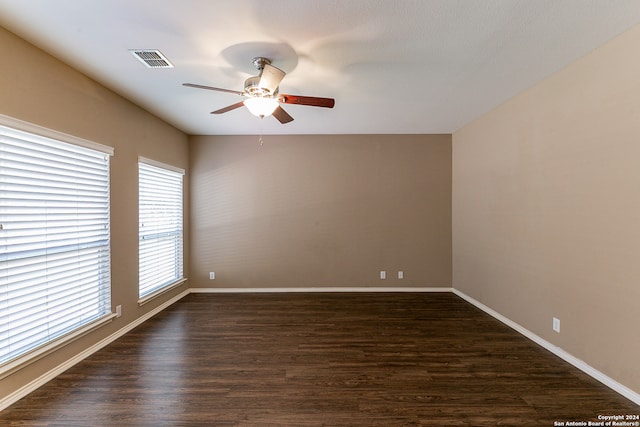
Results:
<point x="151" y="58"/>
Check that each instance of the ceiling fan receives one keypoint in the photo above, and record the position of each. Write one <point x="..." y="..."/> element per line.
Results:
<point x="262" y="96"/>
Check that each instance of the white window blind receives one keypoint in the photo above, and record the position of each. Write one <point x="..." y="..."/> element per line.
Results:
<point x="160" y="259"/>
<point x="54" y="240"/>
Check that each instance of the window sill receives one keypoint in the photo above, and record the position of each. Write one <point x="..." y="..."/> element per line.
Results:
<point x="38" y="353"/>
<point x="145" y="299"/>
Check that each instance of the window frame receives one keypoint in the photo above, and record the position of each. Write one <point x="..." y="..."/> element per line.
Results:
<point x="41" y="350"/>
<point x="162" y="287"/>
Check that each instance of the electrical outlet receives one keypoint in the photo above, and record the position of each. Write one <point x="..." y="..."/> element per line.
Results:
<point x="401" y="275"/>
<point x="118" y="310"/>
<point x="212" y="275"/>
<point x="383" y="275"/>
<point x="556" y="324"/>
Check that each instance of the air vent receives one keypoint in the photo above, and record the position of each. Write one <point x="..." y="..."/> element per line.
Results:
<point x="151" y="58"/>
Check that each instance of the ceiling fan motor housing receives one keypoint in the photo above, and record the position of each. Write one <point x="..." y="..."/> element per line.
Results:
<point x="252" y="88"/>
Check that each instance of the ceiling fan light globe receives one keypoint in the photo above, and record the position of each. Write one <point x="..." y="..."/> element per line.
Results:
<point x="261" y="107"/>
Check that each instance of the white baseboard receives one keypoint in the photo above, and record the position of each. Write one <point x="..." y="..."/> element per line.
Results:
<point x="48" y="376"/>
<point x="314" y="289"/>
<point x="578" y="363"/>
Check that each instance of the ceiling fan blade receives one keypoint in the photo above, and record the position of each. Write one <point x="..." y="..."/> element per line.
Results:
<point x="212" y="88"/>
<point x="271" y="77"/>
<point x="282" y="116"/>
<point x="229" y="108"/>
<point x="307" y="100"/>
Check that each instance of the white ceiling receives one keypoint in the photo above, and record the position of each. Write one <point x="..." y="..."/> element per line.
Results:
<point x="393" y="66"/>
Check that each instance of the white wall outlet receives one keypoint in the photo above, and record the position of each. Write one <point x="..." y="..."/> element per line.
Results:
<point x="118" y="310"/>
<point x="383" y="275"/>
<point x="400" y="274"/>
<point x="212" y="275"/>
<point x="556" y="324"/>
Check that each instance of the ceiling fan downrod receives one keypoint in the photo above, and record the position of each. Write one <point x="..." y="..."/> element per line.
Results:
<point x="259" y="62"/>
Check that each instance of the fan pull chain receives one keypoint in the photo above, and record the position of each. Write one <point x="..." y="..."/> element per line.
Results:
<point x="260" y="138"/>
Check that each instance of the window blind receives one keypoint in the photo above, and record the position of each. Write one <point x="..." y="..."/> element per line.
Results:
<point x="160" y="250"/>
<point x="54" y="240"/>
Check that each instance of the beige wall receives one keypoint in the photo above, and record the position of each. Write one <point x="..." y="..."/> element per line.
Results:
<point x="321" y="211"/>
<point x="546" y="209"/>
<point x="36" y="88"/>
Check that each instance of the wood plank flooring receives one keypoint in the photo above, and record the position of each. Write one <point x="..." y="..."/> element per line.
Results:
<point x="361" y="359"/>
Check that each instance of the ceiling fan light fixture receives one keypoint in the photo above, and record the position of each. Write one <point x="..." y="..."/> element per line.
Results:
<point x="261" y="107"/>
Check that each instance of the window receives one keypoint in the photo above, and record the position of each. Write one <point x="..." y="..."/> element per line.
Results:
<point x="55" y="277"/>
<point x="160" y="261"/>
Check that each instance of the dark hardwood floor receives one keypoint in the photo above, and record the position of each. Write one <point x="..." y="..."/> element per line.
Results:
<point x="362" y="359"/>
